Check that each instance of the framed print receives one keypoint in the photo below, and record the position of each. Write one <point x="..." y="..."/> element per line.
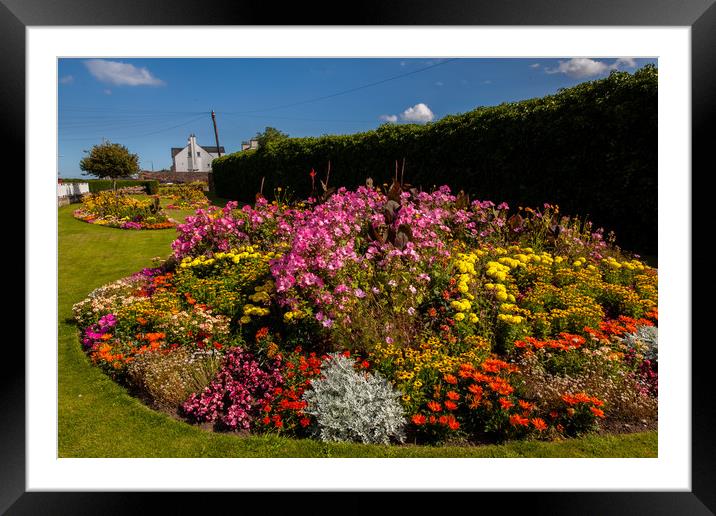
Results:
<point x="62" y="457"/>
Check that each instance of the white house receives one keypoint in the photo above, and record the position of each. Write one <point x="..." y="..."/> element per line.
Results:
<point x="252" y="144"/>
<point x="194" y="157"/>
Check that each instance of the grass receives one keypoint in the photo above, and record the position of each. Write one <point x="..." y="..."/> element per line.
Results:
<point x="98" y="418"/>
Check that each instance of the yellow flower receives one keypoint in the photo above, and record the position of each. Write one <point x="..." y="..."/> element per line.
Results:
<point x="459" y="316"/>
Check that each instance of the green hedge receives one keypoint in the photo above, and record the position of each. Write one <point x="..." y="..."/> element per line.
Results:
<point x="151" y="186"/>
<point x="591" y="148"/>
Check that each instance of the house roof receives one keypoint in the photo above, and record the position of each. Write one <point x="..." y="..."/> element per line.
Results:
<point x="212" y="150"/>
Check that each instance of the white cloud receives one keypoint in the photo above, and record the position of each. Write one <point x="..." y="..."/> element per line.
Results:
<point x="488" y="81"/>
<point x="418" y="113"/>
<point x="624" y="62"/>
<point x="67" y="79"/>
<point x="389" y="118"/>
<point x="121" y="74"/>
<point x="107" y="92"/>
<point x="440" y="83"/>
<point x="580" y="67"/>
<point x="535" y="65"/>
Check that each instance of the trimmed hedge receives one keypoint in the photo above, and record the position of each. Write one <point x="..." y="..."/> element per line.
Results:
<point x="591" y="148"/>
<point x="97" y="185"/>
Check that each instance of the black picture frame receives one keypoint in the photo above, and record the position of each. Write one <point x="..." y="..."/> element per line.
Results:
<point x="700" y="15"/>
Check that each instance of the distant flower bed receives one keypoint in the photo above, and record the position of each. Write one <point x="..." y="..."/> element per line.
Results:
<point x="184" y="196"/>
<point x="118" y="210"/>
<point x="381" y="317"/>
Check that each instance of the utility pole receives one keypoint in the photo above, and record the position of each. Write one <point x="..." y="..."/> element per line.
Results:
<point x="216" y="133"/>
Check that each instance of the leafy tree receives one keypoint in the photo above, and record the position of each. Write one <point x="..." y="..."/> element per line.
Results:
<point x="110" y="160"/>
<point x="270" y="134"/>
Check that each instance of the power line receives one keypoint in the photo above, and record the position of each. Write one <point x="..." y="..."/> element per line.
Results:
<point x="351" y="90"/>
<point x="297" y="118"/>
<point x="187" y="122"/>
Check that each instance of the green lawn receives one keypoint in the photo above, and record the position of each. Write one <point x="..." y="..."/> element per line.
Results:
<point x="97" y="418"/>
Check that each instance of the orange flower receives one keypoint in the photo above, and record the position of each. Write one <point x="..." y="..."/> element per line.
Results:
<point x="450" y="405"/>
<point x="106" y="336"/>
<point x="480" y="377"/>
<point x="525" y="405"/>
<point x="434" y="406"/>
<point x="505" y="403"/>
<point x="453" y="424"/>
<point x="443" y="420"/>
<point x="517" y="420"/>
<point x="501" y="387"/>
<point x="539" y="423"/>
<point x="475" y="389"/>
<point x="597" y="412"/>
<point x="450" y="379"/>
<point x="453" y="395"/>
<point x="419" y="419"/>
<point x="262" y="333"/>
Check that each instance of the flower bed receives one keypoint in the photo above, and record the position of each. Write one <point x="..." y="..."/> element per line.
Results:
<point x="118" y="210"/>
<point x="385" y="317"/>
<point x="183" y="196"/>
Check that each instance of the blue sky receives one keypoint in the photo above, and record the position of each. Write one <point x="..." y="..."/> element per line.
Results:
<point x="151" y="105"/>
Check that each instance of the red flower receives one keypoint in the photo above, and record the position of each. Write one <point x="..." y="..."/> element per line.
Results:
<point x="453" y="424"/>
<point x="312" y="173"/>
<point x="266" y="420"/>
<point x="450" y="405"/>
<point x="419" y="419"/>
<point x="505" y="403"/>
<point x="262" y="333"/>
<point x="453" y="395"/>
<point x="434" y="406"/>
<point x="304" y="421"/>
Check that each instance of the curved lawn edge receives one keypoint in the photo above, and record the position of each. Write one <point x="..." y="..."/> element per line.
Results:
<point x="98" y="418"/>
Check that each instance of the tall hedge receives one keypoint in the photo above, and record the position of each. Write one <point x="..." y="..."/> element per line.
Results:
<point x="591" y="148"/>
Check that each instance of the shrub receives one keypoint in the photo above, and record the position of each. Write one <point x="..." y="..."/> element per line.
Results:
<point x="353" y="406"/>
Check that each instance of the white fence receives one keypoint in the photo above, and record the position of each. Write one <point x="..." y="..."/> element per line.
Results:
<point x="68" y="193"/>
<point x="72" y="189"/>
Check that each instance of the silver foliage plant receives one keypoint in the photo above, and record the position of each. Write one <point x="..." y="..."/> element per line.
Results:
<point x="645" y="338"/>
<point x="354" y="406"/>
